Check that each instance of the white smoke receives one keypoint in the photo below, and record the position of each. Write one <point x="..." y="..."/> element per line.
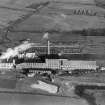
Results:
<point x="15" y="51"/>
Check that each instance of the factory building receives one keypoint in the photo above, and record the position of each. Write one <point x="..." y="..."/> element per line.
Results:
<point x="65" y="49"/>
<point x="60" y="64"/>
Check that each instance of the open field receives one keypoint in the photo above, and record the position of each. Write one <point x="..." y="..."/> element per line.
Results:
<point x="28" y="99"/>
<point x="54" y="17"/>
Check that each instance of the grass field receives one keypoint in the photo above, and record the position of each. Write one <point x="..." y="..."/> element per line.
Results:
<point x="28" y="99"/>
<point x="54" y="18"/>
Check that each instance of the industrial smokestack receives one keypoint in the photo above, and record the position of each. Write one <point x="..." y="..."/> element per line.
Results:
<point x="46" y="36"/>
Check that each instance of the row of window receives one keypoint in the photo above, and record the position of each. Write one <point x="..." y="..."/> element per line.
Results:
<point x="54" y="50"/>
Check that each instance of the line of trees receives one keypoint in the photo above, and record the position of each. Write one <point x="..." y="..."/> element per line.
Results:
<point x="90" y="32"/>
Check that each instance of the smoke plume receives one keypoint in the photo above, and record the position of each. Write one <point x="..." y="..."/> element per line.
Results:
<point x="15" y="51"/>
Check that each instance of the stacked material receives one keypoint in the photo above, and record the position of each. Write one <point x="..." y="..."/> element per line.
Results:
<point x="45" y="87"/>
<point x="6" y="66"/>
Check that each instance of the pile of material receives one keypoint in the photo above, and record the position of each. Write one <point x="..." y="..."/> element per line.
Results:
<point x="45" y="87"/>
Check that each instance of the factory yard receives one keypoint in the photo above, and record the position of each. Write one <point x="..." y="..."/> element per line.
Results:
<point x="69" y="93"/>
<point x="20" y="93"/>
